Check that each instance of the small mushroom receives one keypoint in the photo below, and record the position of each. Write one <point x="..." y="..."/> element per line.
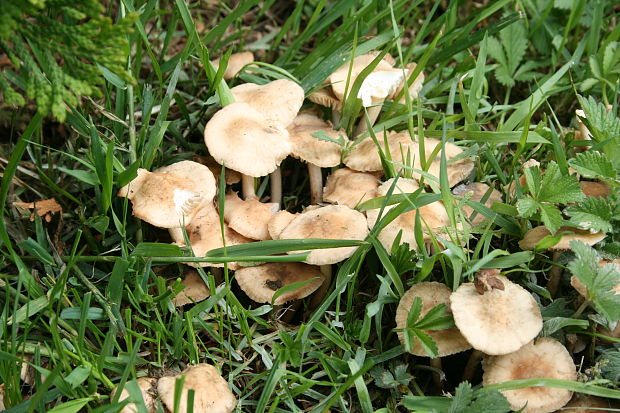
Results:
<point x="211" y="392"/>
<point x="348" y="187"/>
<point x="195" y="290"/>
<point x="248" y="217"/>
<point x="542" y="358"/>
<point x="236" y="62"/>
<point x="495" y="315"/>
<point x="260" y="283"/>
<point x="147" y="386"/>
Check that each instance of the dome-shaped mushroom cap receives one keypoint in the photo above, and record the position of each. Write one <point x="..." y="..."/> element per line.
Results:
<point x="348" y="187"/>
<point x="198" y="175"/>
<point x="338" y="79"/>
<point x="205" y="234"/>
<point x="195" y="290"/>
<point x="310" y="149"/>
<point x="278" y="101"/>
<point x="240" y="138"/>
<point x="543" y="358"/>
<point x="278" y="222"/>
<point x="328" y="222"/>
<point x="535" y="235"/>
<point x="146" y="386"/>
<point x="325" y="97"/>
<point x="162" y="199"/>
<point x="211" y="392"/>
<point x="364" y="156"/>
<point x="476" y="192"/>
<point x="448" y="341"/>
<point x="498" y="321"/>
<point x="236" y="62"/>
<point x="260" y="283"/>
<point x="249" y="217"/>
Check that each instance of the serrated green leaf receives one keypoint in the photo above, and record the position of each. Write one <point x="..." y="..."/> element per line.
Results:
<point x="593" y="164"/>
<point x="593" y="213"/>
<point x="463" y="395"/>
<point x="427" y="343"/>
<point x="527" y="207"/>
<point x="551" y="217"/>
<point x="556" y="188"/>
<point x="437" y="318"/>
<point x="488" y="401"/>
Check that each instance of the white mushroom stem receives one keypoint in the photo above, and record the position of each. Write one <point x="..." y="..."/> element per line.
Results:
<point x="554" y="274"/>
<point x="316" y="184"/>
<point x="321" y="292"/>
<point x="436" y="364"/>
<point x="472" y="364"/>
<point x="372" y="113"/>
<point x="275" y="185"/>
<point x="247" y="187"/>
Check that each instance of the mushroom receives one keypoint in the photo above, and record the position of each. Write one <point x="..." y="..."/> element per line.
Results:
<point x="240" y="138"/>
<point x="250" y="217"/>
<point x="236" y="62"/>
<point x="495" y="315"/>
<point x="278" y="222"/>
<point x="195" y="290"/>
<point x="147" y="386"/>
<point x="533" y="237"/>
<point x="348" y="187"/>
<point x="414" y="88"/>
<point x="212" y="394"/>
<point x="477" y="192"/>
<point x="326" y="97"/>
<point x="170" y="197"/>
<point x="595" y="189"/>
<point x="584" y="403"/>
<point x="205" y="234"/>
<point x="260" y="283"/>
<point x="542" y="358"/>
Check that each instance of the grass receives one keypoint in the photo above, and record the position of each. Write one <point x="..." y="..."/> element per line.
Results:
<point x="87" y="296"/>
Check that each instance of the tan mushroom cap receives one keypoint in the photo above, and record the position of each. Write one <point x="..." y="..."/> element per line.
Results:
<point x="211" y="392"/>
<point x="364" y="156"/>
<point x="236" y="62"/>
<point x="278" y="222"/>
<point x="328" y="222"/>
<point x="162" y="199"/>
<point x="584" y="403"/>
<point x="240" y="138"/>
<point x="278" y="101"/>
<point x="198" y="175"/>
<point x="476" y="191"/>
<point x="542" y="358"/>
<point x="433" y="216"/>
<point x="448" y="341"/>
<point x="498" y="321"/>
<point x="310" y="149"/>
<point x="338" y="79"/>
<point x="348" y="187"/>
<point x="260" y="283"/>
<point x="195" y="290"/>
<point x="230" y="175"/>
<point x="249" y="217"/>
<point x="147" y="386"/>
<point x="415" y="87"/>
<point x="326" y="97"/>
<point x="205" y="234"/>
<point x="595" y="189"/>
<point x="457" y="170"/>
<point x="535" y="235"/>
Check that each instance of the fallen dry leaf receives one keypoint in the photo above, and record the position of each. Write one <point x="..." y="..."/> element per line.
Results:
<point x="43" y="208"/>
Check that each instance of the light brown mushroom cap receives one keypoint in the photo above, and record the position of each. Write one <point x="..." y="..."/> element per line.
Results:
<point x="498" y="321"/>
<point x="338" y="79"/>
<point x="476" y="191"/>
<point x="240" y="138"/>
<point x="195" y="290"/>
<point x="348" y="187"/>
<point x="260" y="283"/>
<point x="595" y="189"/>
<point x="198" y="175"/>
<point x="535" y="235"/>
<point x="310" y="149"/>
<point x="542" y="358"/>
<point x="278" y="222"/>
<point x="205" y="234"/>
<point x="584" y="403"/>
<point x="415" y="87"/>
<point x="212" y="394"/>
<point x="236" y="62"/>
<point x="147" y="386"/>
<point x="364" y="156"/>
<point x="278" y="101"/>
<point x="328" y="222"/>
<point x="457" y="170"/>
<point x="162" y="199"/>
<point x="249" y="217"/>
<point x="448" y="341"/>
<point x="326" y="97"/>
<point x="230" y="175"/>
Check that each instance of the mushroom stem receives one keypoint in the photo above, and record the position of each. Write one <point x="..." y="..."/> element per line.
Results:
<point x="472" y="364"/>
<point x="373" y="113"/>
<point x="554" y="275"/>
<point x="286" y="312"/>
<point x="436" y="365"/>
<point x="218" y="274"/>
<point x="275" y="184"/>
<point x="335" y="118"/>
<point x="321" y="292"/>
<point x="247" y="187"/>
<point x="316" y="184"/>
